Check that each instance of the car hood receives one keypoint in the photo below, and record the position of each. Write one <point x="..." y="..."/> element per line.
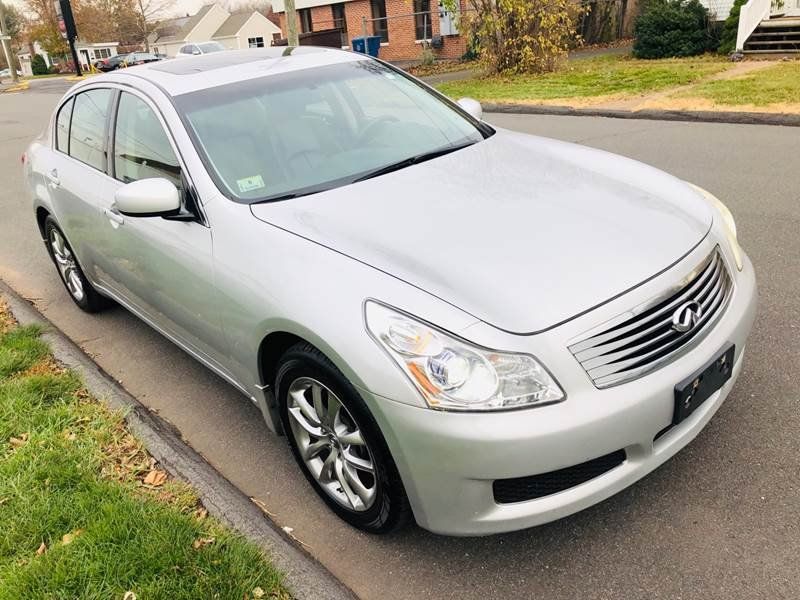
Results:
<point x="521" y="232"/>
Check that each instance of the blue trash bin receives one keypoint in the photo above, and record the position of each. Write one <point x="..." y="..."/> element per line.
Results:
<point x="367" y="45"/>
<point x="374" y="45"/>
<point x="359" y="44"/>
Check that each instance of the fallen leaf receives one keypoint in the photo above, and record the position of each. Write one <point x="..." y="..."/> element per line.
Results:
<point x="69" y="435"/>
<point x="42" y="549"/>
<point x="200" y="513"/>
<point x="129" y="595"/>
<point x="200" y="542"/>
<point x="3" y="501"/>
<point x="262" y="506"/>
<point x="258" y="592"/>
<point x="16" y="442"/>
<point x="155" y="478"/>
<point x="68" y="538"/>
<point x="288" y="530"/>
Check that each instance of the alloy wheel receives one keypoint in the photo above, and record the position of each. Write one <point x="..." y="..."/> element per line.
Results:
<point x="67" y="265"/>
<point x="331" y="444"/>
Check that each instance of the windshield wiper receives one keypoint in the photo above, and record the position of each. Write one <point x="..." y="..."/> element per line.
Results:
<point x="412" y="160"/>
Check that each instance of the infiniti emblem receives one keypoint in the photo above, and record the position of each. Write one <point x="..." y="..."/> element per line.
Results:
<point x="687" y="316"/>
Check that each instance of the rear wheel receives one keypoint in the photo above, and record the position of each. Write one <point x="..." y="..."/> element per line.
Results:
<point x="78" y="287"/>
<point x="337" y="443"/>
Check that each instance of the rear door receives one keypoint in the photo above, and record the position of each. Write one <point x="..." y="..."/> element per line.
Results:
<point x="76" y="174"/>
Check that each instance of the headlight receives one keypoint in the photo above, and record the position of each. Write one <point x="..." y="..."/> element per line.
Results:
<point x="452" y="374"/>
<point x="729" y="225"/>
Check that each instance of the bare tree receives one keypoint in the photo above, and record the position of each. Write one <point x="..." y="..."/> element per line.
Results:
<point x="149" y="13"/>
<point x="248" y="6"/>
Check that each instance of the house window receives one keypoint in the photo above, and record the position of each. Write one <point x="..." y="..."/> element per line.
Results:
<point x="306" y="25"/>
<point x="339" y="20"/>
<point x="102" y="53"/>
<point x="255" y="42"/>
<point x="422" y="19"/>
<point x="379" y="24"/>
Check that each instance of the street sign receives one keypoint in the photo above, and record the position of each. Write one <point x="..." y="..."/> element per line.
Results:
<point x="5" y="37"/>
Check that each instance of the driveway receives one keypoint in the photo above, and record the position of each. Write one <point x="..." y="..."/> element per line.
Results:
<point x="721" y="520"/>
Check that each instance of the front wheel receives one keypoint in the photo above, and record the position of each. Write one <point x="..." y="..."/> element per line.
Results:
<point x="337" y="443"/>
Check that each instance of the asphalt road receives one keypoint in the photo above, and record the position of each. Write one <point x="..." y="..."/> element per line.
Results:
<point x="721" y="520"/>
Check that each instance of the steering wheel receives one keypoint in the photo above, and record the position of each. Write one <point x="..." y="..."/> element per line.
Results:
<point x="306" y="153"/>
<point x="372" y="126"/>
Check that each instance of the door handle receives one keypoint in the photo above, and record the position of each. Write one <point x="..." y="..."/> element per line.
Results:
<point x="114" y="216"/>
<point x="52" y="177"/>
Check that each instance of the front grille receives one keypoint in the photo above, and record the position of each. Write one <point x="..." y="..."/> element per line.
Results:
<point x="631" y="346"/>
<point x="520" y="489"/>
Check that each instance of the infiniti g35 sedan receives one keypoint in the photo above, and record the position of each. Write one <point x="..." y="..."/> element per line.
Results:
<point x="450" y="322"/>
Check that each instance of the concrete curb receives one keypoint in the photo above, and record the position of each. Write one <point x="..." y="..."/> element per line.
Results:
<point x="698" y="116"/>
<point x="305" y="578"/>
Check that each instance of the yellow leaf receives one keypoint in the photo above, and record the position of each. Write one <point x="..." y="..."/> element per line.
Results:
<point x="68" y="538"/>
<point x="200" y="542"/>
<point x="16" y="442"/>
<point x="42" y="549"/>
<point x="155" y="478"/>
<point x="129" y="595"/>
<point x="258" y="592"/>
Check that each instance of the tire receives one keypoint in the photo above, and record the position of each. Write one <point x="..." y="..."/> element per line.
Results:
<point x="380" y="504"/>
<point x="78" y="287"/>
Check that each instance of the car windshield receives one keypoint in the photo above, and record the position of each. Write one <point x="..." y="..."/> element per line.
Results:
<point x="315" y="129"/>
<point x="211" y="47"/>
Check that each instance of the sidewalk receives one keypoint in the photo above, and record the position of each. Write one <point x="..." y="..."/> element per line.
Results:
<point x="706" y="88"/>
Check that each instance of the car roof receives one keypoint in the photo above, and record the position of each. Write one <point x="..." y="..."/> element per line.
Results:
<point x="190" y="74"/>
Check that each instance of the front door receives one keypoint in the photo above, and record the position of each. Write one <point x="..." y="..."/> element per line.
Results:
<point x="162" y="268"/>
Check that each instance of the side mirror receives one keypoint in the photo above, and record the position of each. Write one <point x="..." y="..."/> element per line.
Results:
<point x="195" y="52"/>
<point x="155" y="197"/>
<point x="472" y="107"/>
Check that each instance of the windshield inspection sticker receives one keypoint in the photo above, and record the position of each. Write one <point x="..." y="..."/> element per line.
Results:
<point x="248" y="184"/>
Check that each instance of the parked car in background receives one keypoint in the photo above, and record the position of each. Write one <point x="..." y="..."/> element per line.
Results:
<point x="140" y="58"/>
<point x="110" y="63"/>
<point x="6" y="73"/>
<point x="473" y="327"/>
<point x="200" y="48"/>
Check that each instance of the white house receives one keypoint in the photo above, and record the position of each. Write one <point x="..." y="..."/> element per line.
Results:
<point x="766" y="27"/>
<point x="212" y="22"/>
<point x="26" y="57"/>
<point x="90" y="53"/>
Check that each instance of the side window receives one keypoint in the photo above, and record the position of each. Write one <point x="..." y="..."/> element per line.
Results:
<point x="62" y="126"/>
<point x="141" y="146"/>
<point x="87" y="132"/>
<point x="184" y="50"/>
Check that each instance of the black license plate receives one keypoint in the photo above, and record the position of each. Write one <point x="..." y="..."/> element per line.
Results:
<point x="693" y="391"/>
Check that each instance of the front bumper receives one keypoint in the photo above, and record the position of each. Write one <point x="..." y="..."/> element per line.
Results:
<point x="448" y="461"/>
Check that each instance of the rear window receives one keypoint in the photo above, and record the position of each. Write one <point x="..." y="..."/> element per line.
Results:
<point x="87" y="130"/>
<point x="62" y="126"/>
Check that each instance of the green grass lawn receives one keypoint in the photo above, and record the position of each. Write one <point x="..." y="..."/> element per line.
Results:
<point x="586" y="78"/>
<point x="773" y="85"/>
<point x="84" y="513"/>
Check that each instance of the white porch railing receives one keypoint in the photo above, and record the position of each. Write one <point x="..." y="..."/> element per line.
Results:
<point x="750" y="16"/>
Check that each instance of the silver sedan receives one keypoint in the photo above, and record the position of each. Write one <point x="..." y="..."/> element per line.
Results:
<point x="452" y="323"/>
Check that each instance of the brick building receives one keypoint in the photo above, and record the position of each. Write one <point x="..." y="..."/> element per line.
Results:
<point x="404" y="25"/>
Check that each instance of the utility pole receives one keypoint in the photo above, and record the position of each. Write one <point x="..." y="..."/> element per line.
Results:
<point x="12" y="67"/>
<point x="291" y="23"/>
<point x="66" y="25"/>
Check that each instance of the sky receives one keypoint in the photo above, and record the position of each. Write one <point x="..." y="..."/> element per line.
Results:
<point x="180" y="9"/>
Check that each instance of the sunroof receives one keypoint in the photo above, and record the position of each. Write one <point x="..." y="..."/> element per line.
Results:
<point x="227" y="58"/>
